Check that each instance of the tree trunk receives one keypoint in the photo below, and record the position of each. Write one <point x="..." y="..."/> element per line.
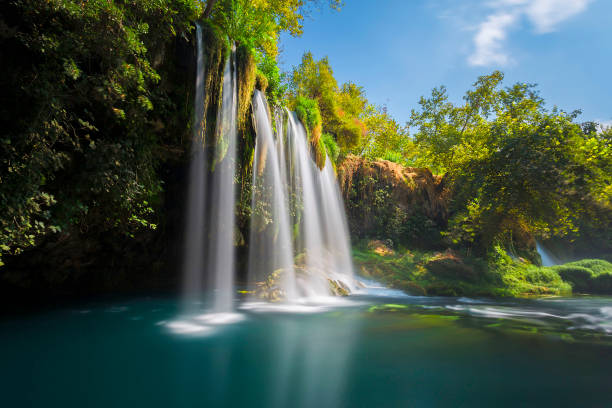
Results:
<point x="209" y="8"/>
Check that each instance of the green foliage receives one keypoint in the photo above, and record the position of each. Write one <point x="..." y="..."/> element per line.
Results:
<point x="267" y="67"/>
<point x="257" y="24"/>
<point x="511" y="162"/>
<point x="587" y="276"/>
<point x="340" y="108"/>
<point x="261" y="82"/>
<point x="79" y="147"/>
<point x="308" y="112"/>
<point x="374" y="212"/>
<point x="333" y="151"/>
<point x="393" y="156"/>
<point x="385" y="138"/>
<point x="456" y="274"/>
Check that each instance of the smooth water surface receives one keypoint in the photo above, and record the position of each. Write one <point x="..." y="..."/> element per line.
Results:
<point x="378" y="349"/>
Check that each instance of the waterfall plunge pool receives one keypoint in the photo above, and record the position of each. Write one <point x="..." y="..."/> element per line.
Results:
<point x="375" y="349"/>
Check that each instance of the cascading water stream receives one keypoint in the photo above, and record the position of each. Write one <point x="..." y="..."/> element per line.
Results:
<point x="548" y="259"/>
<point x="305" y="172"/>
<point x="336" y="227"/>
<point x="193" y="256"/>
<point x="210" y="219"/>
<point x="297" y="211"/>
<point x="221" y="250"/>
<point x="270" y="244"/>
<point x="291" y="194"/>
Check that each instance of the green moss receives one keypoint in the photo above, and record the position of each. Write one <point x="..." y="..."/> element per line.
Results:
<point x="216" y="51"/>
<point x="333" y="151"/>
<point x="261" y="82"/>
<point x="309" y="114"/>
<point x="246" y="75"/>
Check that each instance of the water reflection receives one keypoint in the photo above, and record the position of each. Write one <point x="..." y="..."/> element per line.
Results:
<point x="310" y="363"/>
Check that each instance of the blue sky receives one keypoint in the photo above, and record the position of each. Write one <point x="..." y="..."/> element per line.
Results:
<point x="399" y="49"/>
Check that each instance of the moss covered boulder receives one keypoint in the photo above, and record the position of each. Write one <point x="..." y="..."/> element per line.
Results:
<point x="587" y="276"/>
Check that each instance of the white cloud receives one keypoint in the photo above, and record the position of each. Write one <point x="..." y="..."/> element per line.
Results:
<point x="546" y="14"/>
<point x="505" y="15"/>
<point x="489" y="40"/>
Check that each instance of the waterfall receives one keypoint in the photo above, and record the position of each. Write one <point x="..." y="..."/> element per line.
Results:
<point x="548" y="259"/>
<point x="307" y="189"/>
<point x="298" y="240"/>
<point x="221" y="247"/>
<point x="193" y="256"/>
<point x="338" y="244"/>
<point x="299" y="234"/>
<point x="210" y="218"/>
<point x="270" y="244"/>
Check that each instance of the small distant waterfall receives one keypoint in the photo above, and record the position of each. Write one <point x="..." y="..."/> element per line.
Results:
<point x="548" y="259"/>
<point x="210" y="218"/>
<point x="298" y="224"/>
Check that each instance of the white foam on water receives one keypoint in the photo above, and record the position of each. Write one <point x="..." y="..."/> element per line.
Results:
<point x="470" y="300"/>
<point x="599" y="319"/>
<point x="188" y="328"/>
<point x="216" y="319"/>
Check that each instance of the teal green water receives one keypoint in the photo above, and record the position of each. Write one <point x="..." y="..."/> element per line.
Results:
<point x="370" y="352"/>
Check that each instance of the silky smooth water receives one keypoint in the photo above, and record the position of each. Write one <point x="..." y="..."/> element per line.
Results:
<point x="193" y="253"/>
<point x="221" y="250"/>
<point x="548" y="259"/>
<point x="306" y="181"/>
<point x="271" y="244"/>
<point x="375" y="349"/>
<point x="297" y="213"/>
<point x="209" y="252"/>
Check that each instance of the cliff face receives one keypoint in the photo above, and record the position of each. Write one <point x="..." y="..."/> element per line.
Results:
<point x="388" y="201"/>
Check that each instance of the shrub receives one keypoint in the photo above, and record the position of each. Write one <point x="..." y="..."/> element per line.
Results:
<point x="309" y="114"/>
<point x="587" y="276"/>
<point x="349" y="133"/>
<point x="333" y="151"/>
<point x="395" y="157"/>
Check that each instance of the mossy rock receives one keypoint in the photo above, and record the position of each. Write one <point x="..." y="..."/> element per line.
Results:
<point x="441" y="289"/>
<point x="451" y="267"/>
<point x="261" y="82"/>
<point x="338" y="288"/>
<point x="412" y="287"/>
<point x="587" y="276"/>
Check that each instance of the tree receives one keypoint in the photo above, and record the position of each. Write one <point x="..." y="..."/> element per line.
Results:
<point x="258" y="23"/>
<point x="513" y="165"/>
<point x="341" y="108"/>
<point x="385" y="138"/>
<point x="79" y="148"/>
